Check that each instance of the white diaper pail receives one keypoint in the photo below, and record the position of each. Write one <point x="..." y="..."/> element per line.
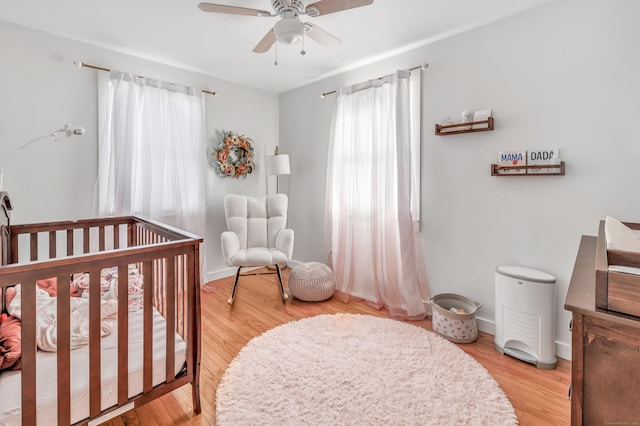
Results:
<point x="525" y="315"/>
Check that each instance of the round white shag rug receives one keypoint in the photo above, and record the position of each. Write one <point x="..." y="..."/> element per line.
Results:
<point x="351" y="369"/>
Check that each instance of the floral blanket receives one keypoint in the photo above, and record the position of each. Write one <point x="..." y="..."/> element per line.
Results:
<point x="46" y="307"/>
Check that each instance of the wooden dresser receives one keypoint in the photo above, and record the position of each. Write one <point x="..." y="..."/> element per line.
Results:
<point x="605" y="369"/>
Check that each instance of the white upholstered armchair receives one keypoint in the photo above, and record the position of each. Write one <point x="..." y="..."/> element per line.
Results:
<point x="256" y="234"/>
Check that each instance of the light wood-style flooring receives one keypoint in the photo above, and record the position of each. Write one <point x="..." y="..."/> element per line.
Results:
<point x="538" y="396"/>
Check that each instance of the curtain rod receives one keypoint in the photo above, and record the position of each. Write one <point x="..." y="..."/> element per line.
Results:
<point x="81" y="64"/>
<point x="423" y="67"/>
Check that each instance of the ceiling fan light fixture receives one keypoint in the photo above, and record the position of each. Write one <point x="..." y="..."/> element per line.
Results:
<point x="288" y="30"/>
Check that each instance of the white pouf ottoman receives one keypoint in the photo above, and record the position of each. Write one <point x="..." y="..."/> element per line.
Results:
<point x="312" y="282"/>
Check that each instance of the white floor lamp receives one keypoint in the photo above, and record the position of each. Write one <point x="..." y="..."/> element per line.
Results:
<point x="278" y="164"/>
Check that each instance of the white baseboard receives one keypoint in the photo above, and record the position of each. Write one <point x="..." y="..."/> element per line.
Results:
<point x="563" y="350"/>
<point x="220" y="273"/>
<point x="486" y="326"/>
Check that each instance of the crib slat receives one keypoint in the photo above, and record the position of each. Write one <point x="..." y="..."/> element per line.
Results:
<point x="181" y="296"/>
<point x="94" y="343"/>
<point x="14" y="249"/>
<point x="85" y="240"/>
<point x="101" y="238"/>
<point x="147" y="382"/>
<point x="116" y="237"/>
<point x="64" y="347"/>
<point x="130" y="235"/>
<point x="170" y="309"/>
<point x="164" y="264"/>
<point x="185" y="295"/>
<point x="4" y="248"/>
<point x="123" y="334"/>
<point x="52" y="244"/>
<point x="194" y="337"/>
<point x="158" y="281"/>
<point x="69" y="242"/>
<point x="28" y="307"/>
<point x="190" y="295"/>
<point x="162" y="287"/>
<point x="34" y="246"/>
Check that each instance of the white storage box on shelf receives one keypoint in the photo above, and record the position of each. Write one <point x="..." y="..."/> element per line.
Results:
<point x="454" y="317"/>
<point x="525" y="315"/>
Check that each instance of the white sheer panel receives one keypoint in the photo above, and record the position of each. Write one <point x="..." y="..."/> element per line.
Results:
<point x="151" y="151"/>
<point x="415" y="94"/>
<point x="375" y="252"/>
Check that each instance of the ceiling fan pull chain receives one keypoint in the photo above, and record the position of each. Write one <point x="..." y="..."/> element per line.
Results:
<point x="303" y="52"/>
<point x="276" y="61"/>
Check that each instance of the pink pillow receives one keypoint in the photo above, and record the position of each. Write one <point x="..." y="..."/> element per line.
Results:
<point x="50" y="285"/>
<point x="10" y="344"/>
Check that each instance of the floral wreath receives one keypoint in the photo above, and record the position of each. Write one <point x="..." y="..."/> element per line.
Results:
<point x="234" y="155"/>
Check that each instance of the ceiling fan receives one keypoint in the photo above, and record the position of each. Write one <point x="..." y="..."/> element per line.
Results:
<point x="290" y="29"/>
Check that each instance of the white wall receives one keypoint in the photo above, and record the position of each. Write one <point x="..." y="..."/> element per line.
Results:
<point x="41" y="90"/>
<point x="565" y="75"/>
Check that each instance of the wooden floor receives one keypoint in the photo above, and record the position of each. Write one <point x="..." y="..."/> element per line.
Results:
<point x="538" y="396"/>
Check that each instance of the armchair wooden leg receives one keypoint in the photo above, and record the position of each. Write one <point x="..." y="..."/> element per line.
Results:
<point x="235" y="287"/>
<point x="285" y="296"/>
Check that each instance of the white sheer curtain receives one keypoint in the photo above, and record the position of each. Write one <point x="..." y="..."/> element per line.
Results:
<point x="372" y="206"/>
<point x="151" y="151"/>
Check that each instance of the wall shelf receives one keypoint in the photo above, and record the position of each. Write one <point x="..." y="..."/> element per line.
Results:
<point x="544" y="170"/>
<point x="450" y="129"/>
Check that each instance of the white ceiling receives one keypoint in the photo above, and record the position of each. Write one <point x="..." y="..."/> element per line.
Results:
<point x="176" y="32"/>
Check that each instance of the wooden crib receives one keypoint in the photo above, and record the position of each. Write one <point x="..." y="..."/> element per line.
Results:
<point x="168" y="261"/>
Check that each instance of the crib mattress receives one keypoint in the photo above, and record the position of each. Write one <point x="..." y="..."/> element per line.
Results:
<point x="46" y="381"/>
<point x="624" y="269"/>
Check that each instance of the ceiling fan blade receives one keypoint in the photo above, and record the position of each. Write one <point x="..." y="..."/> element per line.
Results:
<point x="265" y="44"/>
<point x="232" y="10"/>
<point x="324" y="7"/>
<point x="320" y="36"/>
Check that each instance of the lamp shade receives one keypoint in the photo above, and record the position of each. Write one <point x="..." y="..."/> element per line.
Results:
<point x="278" y="164"/>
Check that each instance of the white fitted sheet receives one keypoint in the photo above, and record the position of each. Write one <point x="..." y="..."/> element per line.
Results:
<point x="624" y="269"/>
<point x="46" y="381"/>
